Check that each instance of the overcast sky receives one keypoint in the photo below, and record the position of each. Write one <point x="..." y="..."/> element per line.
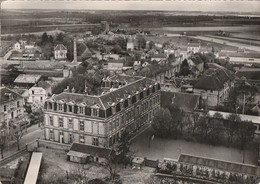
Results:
<point x="174" y="5"/>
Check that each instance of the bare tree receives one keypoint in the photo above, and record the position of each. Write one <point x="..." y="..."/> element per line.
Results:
<point x="2" y="143"/>
<point x="18" y="134"/>
<point x="78" y="174"/>
<point x="111" y="164"/>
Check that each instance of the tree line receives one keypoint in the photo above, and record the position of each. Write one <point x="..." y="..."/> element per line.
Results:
<point x="172" y="122"/>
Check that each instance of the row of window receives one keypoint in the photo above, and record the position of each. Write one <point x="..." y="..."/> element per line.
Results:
<point x="18" y="104"/>
<point x="95" y="140"/>
<point x="70" y="123"/>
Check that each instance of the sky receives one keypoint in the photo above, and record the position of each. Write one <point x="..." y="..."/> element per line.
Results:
<point x="169" y="5"/>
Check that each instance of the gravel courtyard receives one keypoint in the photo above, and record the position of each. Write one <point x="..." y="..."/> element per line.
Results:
<point x="169" y="148"/>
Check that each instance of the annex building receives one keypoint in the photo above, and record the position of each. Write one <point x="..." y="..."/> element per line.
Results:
<point x="127" y="103"/>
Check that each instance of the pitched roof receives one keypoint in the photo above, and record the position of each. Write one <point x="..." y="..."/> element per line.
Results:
<point x="159" y="56"/>
<point x="60" y="47"/>
<point x="193" y="44"/>
<point x="103" y="100"/>
<point x="220" y="164"/>
<point x="185" y="101"/>
<point x="91" y="150"/>
<point x="5" y="95"/>
<point x="214" y="78"/>
<point x="27" y="78"/>
<point x="43" y="84"/>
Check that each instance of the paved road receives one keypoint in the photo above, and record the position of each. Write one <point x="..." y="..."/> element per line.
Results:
<point x="32" y="133"/>
<point x="231" y="43"/>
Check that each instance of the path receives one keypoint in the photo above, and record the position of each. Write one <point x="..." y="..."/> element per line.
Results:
<point x="32" y="133"/>
<point x="230" y="43"/>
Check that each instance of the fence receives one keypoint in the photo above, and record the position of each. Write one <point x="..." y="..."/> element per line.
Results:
<point x="53" y="145"/>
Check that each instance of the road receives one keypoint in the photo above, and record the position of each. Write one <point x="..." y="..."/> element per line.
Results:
<point x="33" y="132"/>
<point x="230" y="43"/>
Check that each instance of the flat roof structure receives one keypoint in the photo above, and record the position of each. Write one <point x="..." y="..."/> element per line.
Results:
<point x="33" y="169"/>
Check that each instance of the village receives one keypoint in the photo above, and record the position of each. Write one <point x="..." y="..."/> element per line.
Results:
<point x="121" y="105"/>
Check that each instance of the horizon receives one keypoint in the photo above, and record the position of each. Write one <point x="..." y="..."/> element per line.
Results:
<point x="183" y="6"/>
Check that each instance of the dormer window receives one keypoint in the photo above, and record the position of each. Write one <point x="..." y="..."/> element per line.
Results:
<point x="60" y="107"/>
<point x="95" y="110"/>
<point x="70" y="108"/>
<point x="129" y="100"/>
<point x="81" y="110"/>
<point x="137" y="96"/>
<point x="113" y="109"/>
<point x="50" y="105"/>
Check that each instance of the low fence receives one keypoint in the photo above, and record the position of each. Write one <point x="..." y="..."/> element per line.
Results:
<point x="13" y="156"/>
<point x="53" y="145"/>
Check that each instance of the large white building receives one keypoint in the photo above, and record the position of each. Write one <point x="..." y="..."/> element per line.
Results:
<point x="127" y="104"/>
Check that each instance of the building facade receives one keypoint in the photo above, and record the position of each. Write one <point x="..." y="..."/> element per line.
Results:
<point x="12" y="109"/>
<point x="127" y="104"/>
<point x="60" y="52"/>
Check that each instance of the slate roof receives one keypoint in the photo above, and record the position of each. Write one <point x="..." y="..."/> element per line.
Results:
<point x="5" y="97"/>
<point x="214" y="78"/>
<point x="27" y="78"/>
<point x="220" y="164"/>
<point x="43" y="84"/>
<point x="185" y="101"/>
<point x="60" y="47"/>
<point x="91" y="150"/>
<point x="103" y="100"/>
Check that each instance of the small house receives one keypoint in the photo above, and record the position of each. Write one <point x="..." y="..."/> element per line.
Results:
<point x="60" y="52"/>
<point x="82" y="153"/>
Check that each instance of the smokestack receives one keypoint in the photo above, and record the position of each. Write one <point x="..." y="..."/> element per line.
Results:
<point x="75" y="51"/>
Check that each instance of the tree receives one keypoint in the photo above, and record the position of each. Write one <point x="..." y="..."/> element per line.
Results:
<point x="123" y="146"/>
<point x="216" y="128"/>
<point x="141" y="43"/>
<point x="203" y="127"/>
<point x="111" y="164"/>
<point x="18" y="134"/>
<point x="162" y="123"/>
<point x="44" y="38"/>
<point x="178" y="115"/>
<point x="151" y="44"/>
<point x="231" y="126"/>
<point x="245" y="132"/>
<point x="117" y="49"/>
<point x="2" y="142"/>
<point x="184" y="70"/>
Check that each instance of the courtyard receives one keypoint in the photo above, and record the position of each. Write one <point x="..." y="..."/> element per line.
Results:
<point x="170" y="148"/>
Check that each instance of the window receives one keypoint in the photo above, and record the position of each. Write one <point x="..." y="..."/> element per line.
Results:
<point x="113" y="109"/>
<point x="94" y="112"/>
<point x="95" y="141"/>
<point x="51" y="120"/>
<point x="51" y="135"/>
<point x="81" y="110"/>
<point x="70" y="108"/>
<point x="70" y="123"/>
<point x="5" y="108"/>
<point x="41" y="98"/>
<point x="61" y="122"/>
<point x="33" y="92"/>
<point x="71" y="138"/>
<point x="122" y="119"/>
<point x="18" y="104"/>
<point x="81" y="125"/>
<point x="60" y="107"/>
<point x="50" y="105"/>
<point x="82" y="139"/>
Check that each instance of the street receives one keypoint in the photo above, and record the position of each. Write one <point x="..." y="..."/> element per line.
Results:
<point x="32" y="133"/>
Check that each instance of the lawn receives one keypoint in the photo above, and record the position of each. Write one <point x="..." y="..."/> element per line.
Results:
<point x="169" y="148"/>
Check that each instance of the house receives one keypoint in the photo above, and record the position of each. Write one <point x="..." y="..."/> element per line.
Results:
<point x="38" y="94"/>
<point x="26" y="80"/>
<point x="130" y="44"/>
<point x="127" y="103"/>
<point x="82" y="153"/>
<point x="17" y="46"/>
<point x="216" y="83"/>
<point x="193" y="47"/>
<point x="158" y="57"/>
<point x="12" y="110"/>
<point x="60" y="52"/>
<point x="188" y="102"/>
